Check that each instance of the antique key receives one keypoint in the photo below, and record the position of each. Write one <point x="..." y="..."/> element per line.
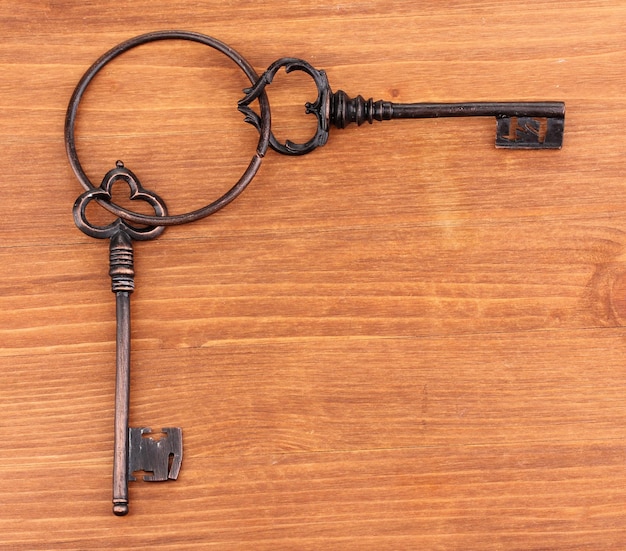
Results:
<point x="519" y="125"/>
<point x="134" y="449"/>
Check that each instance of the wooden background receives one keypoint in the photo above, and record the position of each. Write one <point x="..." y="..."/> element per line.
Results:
<point x="405" y="340"/>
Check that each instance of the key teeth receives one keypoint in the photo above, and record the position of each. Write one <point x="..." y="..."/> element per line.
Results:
<point x="162" y="457"/>
<point x="530" y="132"/>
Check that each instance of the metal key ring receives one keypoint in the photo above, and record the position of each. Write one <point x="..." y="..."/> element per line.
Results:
<point x="226" y="198"/>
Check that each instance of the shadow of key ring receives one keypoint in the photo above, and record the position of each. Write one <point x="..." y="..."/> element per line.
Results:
<point x="226" y="198"/>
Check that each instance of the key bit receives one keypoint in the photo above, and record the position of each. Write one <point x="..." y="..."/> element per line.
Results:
<point x="519" y="125"/>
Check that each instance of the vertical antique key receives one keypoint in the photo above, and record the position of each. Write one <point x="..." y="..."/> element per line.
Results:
<point x="519" y="125"/>
<point x="134" y="449"/>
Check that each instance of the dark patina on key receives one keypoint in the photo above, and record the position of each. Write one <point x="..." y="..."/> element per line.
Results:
<point x="519" y="125"/>
<point x="134" y="449"/>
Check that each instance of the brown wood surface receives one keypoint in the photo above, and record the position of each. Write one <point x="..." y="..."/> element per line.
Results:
<point x="405" y="340"/>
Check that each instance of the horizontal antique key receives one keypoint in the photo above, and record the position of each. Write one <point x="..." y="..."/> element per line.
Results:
<point x="134" y="449"/>
<point x="519" y="125"/>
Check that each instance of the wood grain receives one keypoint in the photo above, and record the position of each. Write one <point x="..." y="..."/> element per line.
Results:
<point x="405" y="340"/>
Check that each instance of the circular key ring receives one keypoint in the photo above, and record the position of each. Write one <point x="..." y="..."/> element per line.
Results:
<point x="226" y="198"/>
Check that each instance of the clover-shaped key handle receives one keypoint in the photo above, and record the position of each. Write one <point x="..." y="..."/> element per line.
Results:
<point x="104" y="193"/>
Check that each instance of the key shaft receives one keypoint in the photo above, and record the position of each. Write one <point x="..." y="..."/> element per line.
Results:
<point x="345" y="110"/>
<point x="122" y="396"/>
<point x="477" y="109"/>
<point x="121" y="271"/>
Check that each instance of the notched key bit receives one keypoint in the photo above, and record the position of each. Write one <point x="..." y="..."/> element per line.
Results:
<point x="162" y="457"/>
<point x="133" y="451"/>
<point x="519" y="125"/>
